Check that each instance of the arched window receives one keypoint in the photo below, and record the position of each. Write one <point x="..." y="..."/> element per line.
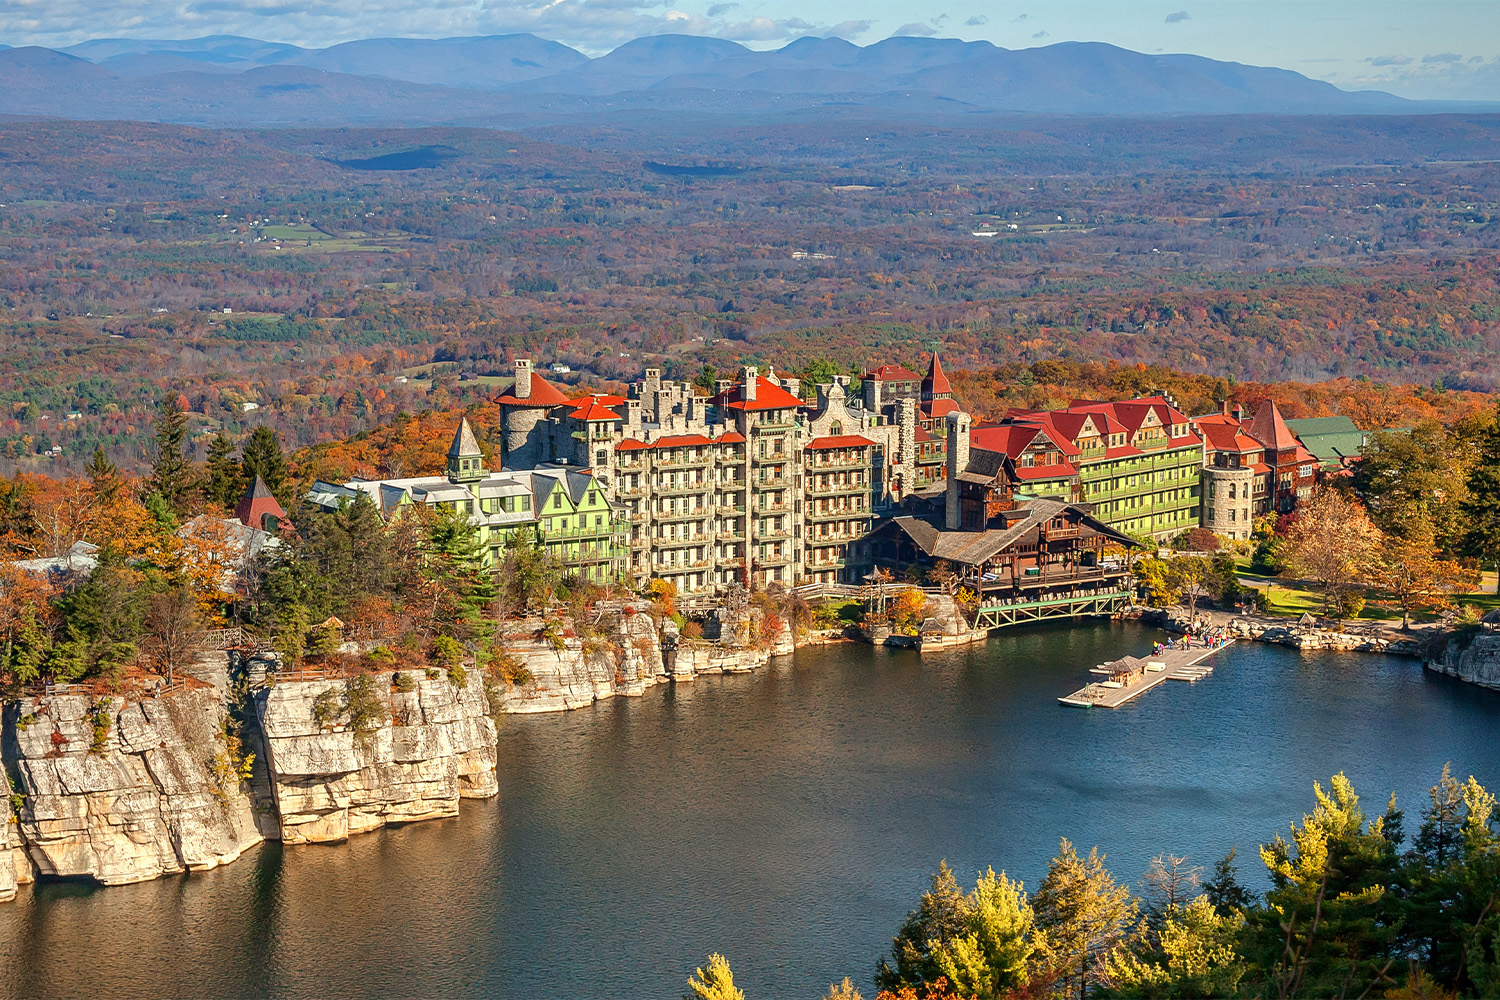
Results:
<point x="836" y="429"/>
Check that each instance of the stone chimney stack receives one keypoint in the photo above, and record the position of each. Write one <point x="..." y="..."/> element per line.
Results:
<point x="751" y="377"/>
<point x="958" y="460"/>
<point x="522" y="388"/>
<point x="653" y="379"/>
<point x="872" y="395"/>
<point x="633" y="414"/>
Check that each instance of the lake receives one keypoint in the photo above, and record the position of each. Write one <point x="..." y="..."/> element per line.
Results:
<point x="788" y="818"/>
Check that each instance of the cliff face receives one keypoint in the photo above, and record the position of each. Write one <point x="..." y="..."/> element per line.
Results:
<point x="14" y="867"/>
<point x="127" y="792"/>
<point x="626" y="663"/>
<point x="1470" y="657"/>
<point x="329" y="782"/>
<point x="581" y="672"/>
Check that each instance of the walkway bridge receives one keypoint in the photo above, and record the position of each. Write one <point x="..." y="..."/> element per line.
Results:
<point x="1019" y="612"/>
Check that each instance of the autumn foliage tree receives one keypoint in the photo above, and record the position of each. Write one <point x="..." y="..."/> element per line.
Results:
<point x="1334" y="544"/>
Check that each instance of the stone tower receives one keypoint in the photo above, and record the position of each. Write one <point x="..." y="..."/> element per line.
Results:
<point x="523" y="421"/>
<point x="958" y="460"/>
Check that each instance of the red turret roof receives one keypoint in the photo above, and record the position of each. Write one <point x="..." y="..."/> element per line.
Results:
<point x="593" y="409"/>
<point x="936" y="383"/>
<point x="1271" y="430"/>
<point x="543" y="394"/>
<point x="256" y="504"/>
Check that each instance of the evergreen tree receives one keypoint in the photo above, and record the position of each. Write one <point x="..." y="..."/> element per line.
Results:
<point x="1481" y="508"/>
<point x="104" y="477"/>
<point x="1081" y="914"/>
<point x="1193" y="954"/>
<point x="715" y="982"/>
<point x="262" y="457"/>
<point x="991" y="960"/>
<point x="172" y="476"/>
<point x="348" y="553"/>
<point x="456" y="566"/>
<point x="940" y="917"/>
<point x="1326" y="927"/>
<point x="224" y="480"/>
<point x="1224" y="890"/>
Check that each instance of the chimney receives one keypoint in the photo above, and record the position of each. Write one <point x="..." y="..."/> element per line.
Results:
<point x="633" y="414"/>
<point x="723" y="385"/>
<point x="522" y="389"/>
<point x="653" y="379"/>
<point x="1224" y="408"/>
<point x="958" y="460"/>
<point x="751" y="374"/>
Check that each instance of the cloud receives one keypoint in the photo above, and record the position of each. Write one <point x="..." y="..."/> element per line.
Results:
<point x="849" y="29"/>
<point x="1443" y="57"/>
<point x="915" y="29"/>
<point x="594" y="26"/>
<point x="978" y="20"/>
<point x="1177" y="16"/>
<point x="1019" y="19"/>
<point x="1475" y="59"/>
<point x="1389" y="60"/>
<point x="941" y="19"/>
<point x="1040" y="34"/>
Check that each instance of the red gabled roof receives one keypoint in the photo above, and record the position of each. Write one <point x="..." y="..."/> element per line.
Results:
<point x="1269" y="428"/>
<point x="733" y="437"/>
<point x="768" y="396"/>
<point x="892" y="373"/>
<point x="631" y="444"/>
<point x="1057" y="471"/>
<point x="922" y="435"/>
<point x="936" y="382"/>
<point x="676" y="440"/>
<point x="839" y="441"/>
<point x="1224" y="433"/>
<point x="608" y="399"/>
<point x="1008" y="439"/>
<point x="594" y="410"/>
<point x="543" y="394"/>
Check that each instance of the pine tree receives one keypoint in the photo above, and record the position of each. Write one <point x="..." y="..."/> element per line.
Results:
<point x="456" y="566"/>
<point x="224" y="480"/>
<point x="941" y="916"/>
<point x="172" y="476"/>
<point x="1081" y="914"/>
<point x="104" y="477"/>
<point x="1480" y="510"/>
<point x="715" y="982"/>
<point x="1193" y="954"/>
<point x="1224" y="890"/>
<point x="991" y="960"/>
<point x="262" y="457"/>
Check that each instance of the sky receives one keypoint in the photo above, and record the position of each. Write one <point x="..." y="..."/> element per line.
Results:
<point x="1439" y="49"/>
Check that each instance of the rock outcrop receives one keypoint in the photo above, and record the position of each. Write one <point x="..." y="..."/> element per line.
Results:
<point x="1288" y="633"/>
<point x="568" y="671"/>
<point x="15" y="867"/>
<point x="1468" y="654"/>
<point x="434" y="746"/>
<point x="124" y="792"/>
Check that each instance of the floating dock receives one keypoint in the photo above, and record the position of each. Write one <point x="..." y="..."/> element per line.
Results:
<point x="1147" y="673"/>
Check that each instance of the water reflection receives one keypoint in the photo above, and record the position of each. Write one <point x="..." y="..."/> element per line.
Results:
<point x="786" y="818"/>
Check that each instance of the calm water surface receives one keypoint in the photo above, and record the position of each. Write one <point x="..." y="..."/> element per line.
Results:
<point x="787" y="818"/>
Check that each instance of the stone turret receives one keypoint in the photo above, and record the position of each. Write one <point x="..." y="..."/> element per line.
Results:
<point x="906" y="411"/>
<point x="523" y="418"/>
<point x="958" y="460"/>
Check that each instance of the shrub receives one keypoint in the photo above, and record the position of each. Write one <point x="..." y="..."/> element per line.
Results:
<point x="403" y="682"/>
<point x="692" y="630"/>
<point x="457" y="675"/>
<point x="433" y="673"/>
<point x="99" y="718"/>
<point x="445" y="650"/>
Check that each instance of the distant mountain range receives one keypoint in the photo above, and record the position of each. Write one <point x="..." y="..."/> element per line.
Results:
<point x="229" y="80"/>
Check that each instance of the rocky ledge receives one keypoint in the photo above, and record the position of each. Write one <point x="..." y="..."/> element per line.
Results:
<point x="1287" y="633"/>
<point x="1471" y="654"/>
<point x="123" y="792"/>
<point x="334" y="773"/>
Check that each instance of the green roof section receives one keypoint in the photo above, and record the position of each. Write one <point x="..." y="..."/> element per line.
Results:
<point x="1330" y="439"/>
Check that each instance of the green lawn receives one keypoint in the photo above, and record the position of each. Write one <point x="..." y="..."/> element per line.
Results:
<point x="1288" y="597"/>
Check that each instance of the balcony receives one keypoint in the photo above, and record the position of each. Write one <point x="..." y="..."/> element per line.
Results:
<point x="677" y="543"/>
<point x="837" y="463"/>
<point x="632" y="491"/>
<point x="785" y="559"/>
<point x="1057" y="534"/>
<point x="835" y="514"/>
<point x="682" y="514"/>
<point x="833" y="488"/>
<point x="773" y="534"/>
<point x="773" y="508"/>
<point x="683" y="463"/>
<point x="601" y="531"/>
<point x="727" y="510"/>
<point x="680" y="488"/>
<point x="775" y="458"/>
<point x="730" y="536"/>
